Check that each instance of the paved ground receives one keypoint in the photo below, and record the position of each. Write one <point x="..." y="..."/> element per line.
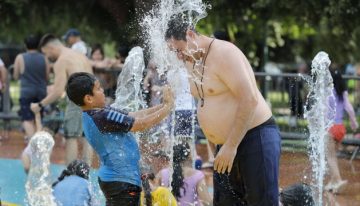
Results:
<point x="294" y="167"/>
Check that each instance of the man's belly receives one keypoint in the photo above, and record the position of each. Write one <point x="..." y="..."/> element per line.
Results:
<point x="217" y="117"/>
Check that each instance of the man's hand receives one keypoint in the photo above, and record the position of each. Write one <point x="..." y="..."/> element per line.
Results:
<point x="225" y="158"/>
<point x="168" y="96"/>
<point x="35" y="107"/>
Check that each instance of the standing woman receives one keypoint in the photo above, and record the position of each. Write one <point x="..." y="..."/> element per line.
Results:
<point x="32" y="68"/>
<point x="337" y="131"/>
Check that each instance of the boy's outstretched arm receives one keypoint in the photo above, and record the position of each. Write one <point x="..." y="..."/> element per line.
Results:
<point x="146" y="119"/>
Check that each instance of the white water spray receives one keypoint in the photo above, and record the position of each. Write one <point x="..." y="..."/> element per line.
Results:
<point x="38" y="187"/>
<point x="320" y="115"/>
<point x="155" y="24"/>
<point x="128" y="93"/>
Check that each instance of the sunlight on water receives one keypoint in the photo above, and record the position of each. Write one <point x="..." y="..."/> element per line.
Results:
<point x="319" y="115"/>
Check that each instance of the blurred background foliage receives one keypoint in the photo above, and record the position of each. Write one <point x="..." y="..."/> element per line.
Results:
<point x="286" y="31"/>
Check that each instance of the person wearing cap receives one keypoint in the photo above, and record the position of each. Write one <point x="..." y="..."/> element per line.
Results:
<point x="73" y="38"/>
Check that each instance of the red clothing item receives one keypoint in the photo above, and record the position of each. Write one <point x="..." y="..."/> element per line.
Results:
<point x="338" y="132"/>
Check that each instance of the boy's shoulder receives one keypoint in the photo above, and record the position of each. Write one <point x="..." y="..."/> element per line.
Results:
<point x="109" y="119"/>
<point x="105" y="112"/>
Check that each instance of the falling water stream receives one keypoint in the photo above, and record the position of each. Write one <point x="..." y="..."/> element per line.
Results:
<point x="319" y="114"/>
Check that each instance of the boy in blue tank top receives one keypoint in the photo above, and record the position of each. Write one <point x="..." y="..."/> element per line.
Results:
<point x="109" y="132"/>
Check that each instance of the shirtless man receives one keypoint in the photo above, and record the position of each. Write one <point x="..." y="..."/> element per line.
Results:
<point x="233" y="115"/>
<point x="67" y="62"/>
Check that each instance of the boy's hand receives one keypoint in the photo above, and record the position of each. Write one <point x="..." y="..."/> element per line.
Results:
<point x="168" y="96"/>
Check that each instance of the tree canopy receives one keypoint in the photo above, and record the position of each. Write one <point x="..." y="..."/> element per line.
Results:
<point x="277" y="30"/>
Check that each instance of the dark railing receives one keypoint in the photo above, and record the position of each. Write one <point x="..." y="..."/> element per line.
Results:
<point x="286" y="93"/>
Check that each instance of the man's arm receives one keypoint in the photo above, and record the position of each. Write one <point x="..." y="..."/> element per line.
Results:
<point x="59" y="86"/>
<point x="236" y="75"/>
<point x="48" y="68"/>
<point x="18" y="66"/>
<point x="4" y="79"/>
<point x="59" y="83"/>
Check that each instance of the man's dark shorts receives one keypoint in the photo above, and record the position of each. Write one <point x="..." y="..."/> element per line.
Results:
<point x="183" y="123"/>
<point x="253" y="179"/>
<point x="25" y="112"/>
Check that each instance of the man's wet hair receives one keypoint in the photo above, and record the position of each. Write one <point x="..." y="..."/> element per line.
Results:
<point x="31" y="42"/>
<point x="177" y="27"/>
<point x="78" y="86"/>
<point x="46" y="39"/>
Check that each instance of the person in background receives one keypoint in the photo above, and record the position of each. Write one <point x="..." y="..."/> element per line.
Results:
<point x="100" y="65"/>
<point x="357" y="89"/>
<point x="73" y="187"/>
<point x="3" y="76"/>
<point x="3" y="87"/>
<point x="153" y="194"/>
<point x="208" y="169"/>
<point x="73" y="38"/>
<point x="337" y="131"/>
<point x="123" y="52"/>
<point x="67" y="62"/>
<point x="32" y="68"/>
<point x="188" y="184"/>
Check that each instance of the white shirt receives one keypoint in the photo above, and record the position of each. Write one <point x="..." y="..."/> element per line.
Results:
<point x="80" y="46"/>
<point x="1" y="63"/>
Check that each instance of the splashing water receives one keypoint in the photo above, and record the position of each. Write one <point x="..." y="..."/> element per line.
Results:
<point x="128" y="93"/>
<point x="320" y="115"/>
<point x="38" y="187"/>
<point x="155" y="25"/>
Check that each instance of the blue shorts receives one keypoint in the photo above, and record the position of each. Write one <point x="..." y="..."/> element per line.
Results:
<point x="253" y="179"/>
<point x="183" y="123"/>
<point x="25" y="112"/>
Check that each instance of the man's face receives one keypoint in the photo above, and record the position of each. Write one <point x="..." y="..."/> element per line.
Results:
<point x="185" y="50"/>
<point x="179" y="47"/>
<point x="50" y="52"/>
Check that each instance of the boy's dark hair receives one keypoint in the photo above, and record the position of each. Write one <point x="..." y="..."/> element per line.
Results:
<point x="78" y="85"/>
<point x="46" y="39"/>
<point x="177" y="27"/>
<point x="76" y="167"/>
<point x="31" y="42"/>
